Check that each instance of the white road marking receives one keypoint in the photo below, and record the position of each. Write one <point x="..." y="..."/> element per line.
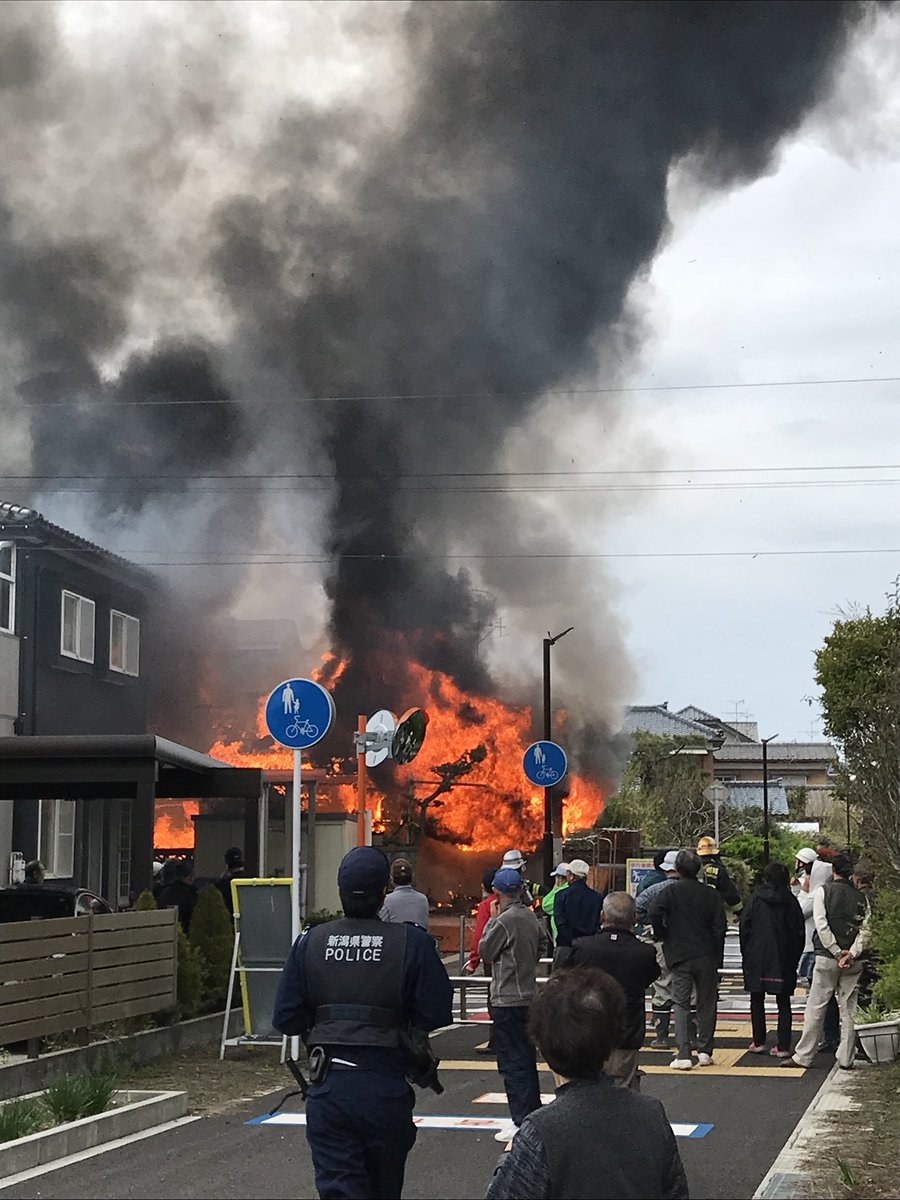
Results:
<point x="83" y="1155"/>
<point x="478" y="1124"/>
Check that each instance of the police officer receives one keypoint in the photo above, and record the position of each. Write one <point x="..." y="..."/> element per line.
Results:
<point x="355" y="987"/>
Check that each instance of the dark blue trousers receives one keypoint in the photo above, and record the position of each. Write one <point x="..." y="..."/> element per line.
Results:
<point x="360" y="1130"/>
<point x="516" y="1061"/>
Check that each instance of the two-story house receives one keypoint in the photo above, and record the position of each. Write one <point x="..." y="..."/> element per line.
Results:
<point x="73" y="660"/>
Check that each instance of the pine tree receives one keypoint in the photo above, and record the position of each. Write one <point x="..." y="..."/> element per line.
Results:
<point x="146" y="902"/>
<point x="190" y="977"/>
<point x="212" y="936"/>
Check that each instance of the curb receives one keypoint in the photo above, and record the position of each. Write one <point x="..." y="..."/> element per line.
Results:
<point x="787" y="1179"/>
<point x="141" y="1110"/>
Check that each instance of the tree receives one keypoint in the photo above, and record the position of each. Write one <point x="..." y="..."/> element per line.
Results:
<point x="858" y="670"/>
<point x="212" y="937"/>
<point x="417" y="820"/>
<point x="189" y="986"/>
<point x="662" y="792"/>
<point x="146" y="902"/>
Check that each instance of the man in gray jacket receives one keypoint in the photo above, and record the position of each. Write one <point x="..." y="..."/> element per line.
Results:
<point x="513" y="941"/>
<point x="404" y="903"/>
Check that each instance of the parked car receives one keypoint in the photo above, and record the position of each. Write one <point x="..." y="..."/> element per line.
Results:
<point x="25" y="902"/>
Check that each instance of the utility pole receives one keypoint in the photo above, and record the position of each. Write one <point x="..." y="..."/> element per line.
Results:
<point x="547" y="843"/>
<point x="765" y="768"/>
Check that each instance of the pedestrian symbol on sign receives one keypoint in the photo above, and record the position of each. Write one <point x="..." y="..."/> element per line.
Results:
<point x="539" y="755"/>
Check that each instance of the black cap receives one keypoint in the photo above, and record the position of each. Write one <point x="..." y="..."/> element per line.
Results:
<point x="363" y="869"/>
<point x="234" y="857"/>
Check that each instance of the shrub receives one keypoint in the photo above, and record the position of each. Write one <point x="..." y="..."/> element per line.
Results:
<point x="146" y="902"/>
<point x="75" y="1096"/>
<point x="212" y="938"/>
<point x="886" y="945"/>
<point x="741" y="875"/>
<point x="320" y="916"/>
<point x="19" y="1118"/>
<point x="190" y="978"/>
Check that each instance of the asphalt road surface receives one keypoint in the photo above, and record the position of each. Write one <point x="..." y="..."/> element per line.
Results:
<point x="751" y="1104"/>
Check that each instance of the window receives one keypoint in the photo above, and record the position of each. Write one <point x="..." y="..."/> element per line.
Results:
<point x="124" y="643"/>
<point x="8" y="587"/>
<point x="77" y="633"/>
<point x="56" y="838"/>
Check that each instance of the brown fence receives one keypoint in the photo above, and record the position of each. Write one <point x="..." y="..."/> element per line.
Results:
<point x="73" y="973"/>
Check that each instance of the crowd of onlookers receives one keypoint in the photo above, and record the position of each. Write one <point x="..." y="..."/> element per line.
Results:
<point x="588" y="1020"/>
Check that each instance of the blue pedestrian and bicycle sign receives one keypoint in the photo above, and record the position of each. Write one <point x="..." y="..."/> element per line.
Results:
<point x="544" y="763"/>
<point x="299" y="713"/>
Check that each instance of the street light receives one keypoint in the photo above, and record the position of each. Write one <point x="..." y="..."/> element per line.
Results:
<point x="765" y="767"/>
<point x="547" y="847"/>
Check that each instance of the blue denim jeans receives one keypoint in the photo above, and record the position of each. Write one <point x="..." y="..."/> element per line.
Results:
<point x="516" y="1061"/>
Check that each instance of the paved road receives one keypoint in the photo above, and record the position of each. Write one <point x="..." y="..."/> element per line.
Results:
<point x="751" y="1105"/>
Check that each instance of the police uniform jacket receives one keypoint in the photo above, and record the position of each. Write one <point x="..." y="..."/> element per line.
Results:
<point x="355" y="986"/>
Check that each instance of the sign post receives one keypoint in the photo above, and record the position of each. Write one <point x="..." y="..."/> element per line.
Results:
<point x="299" y="713"/>
<point x="545" y="764"/>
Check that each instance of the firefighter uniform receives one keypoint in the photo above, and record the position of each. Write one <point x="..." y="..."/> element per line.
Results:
<point x="359" y="1118"/>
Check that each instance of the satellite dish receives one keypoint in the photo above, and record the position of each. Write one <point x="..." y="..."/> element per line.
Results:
<point x="382" y="724"/>
<point x="409" y="735"/>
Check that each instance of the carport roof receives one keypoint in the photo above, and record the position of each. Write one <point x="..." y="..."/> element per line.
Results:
<point x="115" y="765"/>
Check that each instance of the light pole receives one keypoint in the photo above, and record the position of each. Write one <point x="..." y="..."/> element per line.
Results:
<point x="765" y="768"/>
<point x="547" y="845"/>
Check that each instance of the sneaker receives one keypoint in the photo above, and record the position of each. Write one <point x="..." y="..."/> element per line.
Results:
<point x="792" y="1062"/>
<point x="776" y="1053"/>
<point x="659" y="1043"/>
<point x="681" y="1064"/>
<point x="704" y="1060"/>
<point x="506" y="1132"/>
<point x="753" y="1048"/>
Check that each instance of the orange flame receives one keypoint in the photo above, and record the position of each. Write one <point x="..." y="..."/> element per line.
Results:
<point x="490" y="808"/>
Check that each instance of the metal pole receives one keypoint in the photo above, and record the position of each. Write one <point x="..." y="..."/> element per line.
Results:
<point x="296" y="806"/>
<point x="547" y="842"/>
<point x="462" y="942"/>
<point x="848" y="818"/>
<point x="765" y="768"/>
<point x="716" y="820"/>
<point x="361" y="781"/>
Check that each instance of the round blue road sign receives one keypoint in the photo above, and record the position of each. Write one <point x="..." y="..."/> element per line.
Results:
<point x="544" y="763"/>
<point x="299" y="713"/>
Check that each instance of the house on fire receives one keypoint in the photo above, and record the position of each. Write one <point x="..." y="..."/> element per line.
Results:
<point x="73" y="660"/>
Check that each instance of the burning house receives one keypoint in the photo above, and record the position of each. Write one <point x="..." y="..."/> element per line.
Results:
<point x="321" y="336"/>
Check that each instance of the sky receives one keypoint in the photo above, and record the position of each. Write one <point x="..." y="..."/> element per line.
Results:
<point x="712" y="540"/>
<point x="793" y="278"/>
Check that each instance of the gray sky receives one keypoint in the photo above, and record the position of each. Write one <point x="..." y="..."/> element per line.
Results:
<point x="795" y="277"/>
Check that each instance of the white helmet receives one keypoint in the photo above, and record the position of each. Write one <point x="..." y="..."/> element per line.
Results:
<point x="514" y="859"/>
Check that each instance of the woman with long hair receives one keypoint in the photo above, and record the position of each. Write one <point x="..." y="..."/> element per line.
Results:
<point x="773" y="931"/>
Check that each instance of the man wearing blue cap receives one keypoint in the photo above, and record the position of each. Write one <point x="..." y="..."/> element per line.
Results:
<point x="353" y="989"/>
<point x="514" y="940"/>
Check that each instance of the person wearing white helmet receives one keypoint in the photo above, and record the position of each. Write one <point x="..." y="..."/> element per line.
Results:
<point x="515" y="860"/>
<point x="801" y="886"/>
<point x="560" y="883"/>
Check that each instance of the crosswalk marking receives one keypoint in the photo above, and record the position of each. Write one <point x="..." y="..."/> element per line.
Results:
<point x="476" y="1124"/>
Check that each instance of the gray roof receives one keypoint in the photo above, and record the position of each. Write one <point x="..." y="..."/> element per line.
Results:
<point x="749" y="794"/>
<point x="730" y="730"/>
<point x="27" y="525"/>
<point x="779" y="752"/>
<point x="656" y="718"/>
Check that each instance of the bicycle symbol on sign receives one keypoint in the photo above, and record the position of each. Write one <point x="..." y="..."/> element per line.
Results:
<point x="547" y="775"/>
<point x="304" y="728"/>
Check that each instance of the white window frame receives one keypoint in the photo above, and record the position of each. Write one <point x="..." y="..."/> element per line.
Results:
<point x="83" y="605"/>
<point x="128" y="623"/>
<point x="10" y="625"/>
<point x="56" y="837"/>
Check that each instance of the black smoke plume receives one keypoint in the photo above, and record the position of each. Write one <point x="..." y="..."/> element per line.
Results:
<point x="400" y="294"/>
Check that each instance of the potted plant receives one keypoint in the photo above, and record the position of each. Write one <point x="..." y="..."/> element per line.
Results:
<point x="879" y="1033"/>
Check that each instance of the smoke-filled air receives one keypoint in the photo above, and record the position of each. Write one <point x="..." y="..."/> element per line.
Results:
<point x="293" y="296"/>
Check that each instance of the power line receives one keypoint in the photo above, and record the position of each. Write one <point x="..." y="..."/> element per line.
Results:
<point x="421" y="397"/>
<point x="276" y="558"/>
<point x="497" y="489"/>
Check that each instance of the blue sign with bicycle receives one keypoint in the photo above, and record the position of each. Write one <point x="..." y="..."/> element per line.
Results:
<point x="544" y="763"/>
<point x="299" y="713"/>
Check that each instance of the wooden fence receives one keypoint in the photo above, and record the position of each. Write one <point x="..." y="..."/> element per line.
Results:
<point x="73" y="973"/>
